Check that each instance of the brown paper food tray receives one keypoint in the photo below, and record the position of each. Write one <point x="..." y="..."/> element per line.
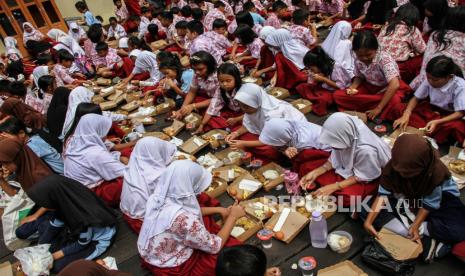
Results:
<point x="308" y="105"/>
<point x="251" y="211"/>
<point x="399" y="247"/>
<point x="146" y="121"/>
<point x="185" y="61"/>
<point x="157" y="134"/>
<point x="360" y="115"/>
<point x="222" y="172"/>
<point x="114" y="96"/>
<point x="224" y="154"/>
<point x="284" y="93"/>
<point x="97" y="99"/>
<point x="160" y="109"/>
<point x="103" y="82"/>
<point x="294" y="223"/>
<point x="179" y="155"/>
<point x="130" y="106"/>
<point x="218" y="190"/>
<point x="107" y="105"/>
<point x="196" y="122"/>
<point x="410" y="130"/>
<point x="214" y="144"/>
<point x="268" y="185"/>
<point x="235" y="186"/>
<point x="177" y="126"/>
<point x="452" y="156"/>
<point x="158" y="44"/>
<point x="258" y="81"/>
<point x="250" y="232"/>
<point x="191" y="148"/>
<point x="346" y="268"/>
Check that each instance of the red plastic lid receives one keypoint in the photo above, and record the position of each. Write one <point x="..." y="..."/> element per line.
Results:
<point x="264" y="234"/>
<point x="307" y="263"/>
<point x="380" y="128"/>
<point x="246" y="155"/>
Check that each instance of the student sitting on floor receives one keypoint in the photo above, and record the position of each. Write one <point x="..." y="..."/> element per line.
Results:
<point x="61" y="71"/>
<point x="180" y="38"/>
<point x="77" y="33"/>
<point x="115" y="31"/>
<point x="34" y="40"/>
<point x="356" y="161"/>
<point x="150" y="158"/>
<point x="166" y="20"/>
<point x="298" y="140"/>
<point x="338" y="46"/>
<point x="211" y="42"/>
<point x="324" y="78"/>
<point x="248" y="38"/>
<point x="88" y="16"/>
<point x="265" y="67"/>
<point x="259" y="107"/>
<point x="15" y="129"/>
<point x="177" y="80"/>
<point x="244" y="259"/>
<point x="303" y="30"/>
<point x="173" y="216"/>
<point x="217" y="13"/>
<point x="404" y="42"/>
<point x="417" y="177"/>
<point x="279" y="10"/>
<point x="109" y="64"/>
<point x="88" y="160"/>
<point x="146" y="62"/>
<point x="439" y="103"/>
<point x="87" y="225"/>
<point x="376" y="88"/>
<point x="224" y="112"/>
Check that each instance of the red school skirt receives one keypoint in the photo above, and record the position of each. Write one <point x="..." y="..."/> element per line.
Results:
<point x="410" y="68"/>
<point x="321" y="98"/>
<point x="288" y="75"/>
<point x="217" y="122"/>
<point x="309" y="160"/>
<point x="110" y="191"/>
<point x="125" y="70"/>
<point x="266" y="60"/>
<point x="357" y="189"/>
<point x="266" y="153"/>
<point x="134" y="224"/>
<point x="367" y="99"/>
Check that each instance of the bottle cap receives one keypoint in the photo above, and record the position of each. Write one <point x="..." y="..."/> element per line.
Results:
<point x="316" y="214"/>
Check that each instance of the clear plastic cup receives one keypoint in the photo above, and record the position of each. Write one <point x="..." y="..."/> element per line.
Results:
<point x="307" y="265"/>
<point x="265" y="236"/>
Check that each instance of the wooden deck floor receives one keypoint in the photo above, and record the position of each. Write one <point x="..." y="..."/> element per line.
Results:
<point x="281" y="255"/>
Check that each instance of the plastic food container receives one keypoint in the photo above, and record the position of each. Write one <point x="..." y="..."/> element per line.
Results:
<point x="307" y="265"/>
<point x="265" y="236"/>
<point x="246" y="158"/>
<point x="340" y="241"/>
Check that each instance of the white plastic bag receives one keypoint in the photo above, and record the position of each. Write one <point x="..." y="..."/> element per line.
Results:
<point x="35" y="260"/>
<point x="18" y="208"/>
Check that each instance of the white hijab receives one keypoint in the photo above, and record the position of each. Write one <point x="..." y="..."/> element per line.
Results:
<point x="301" y="135"/>
<point x="69" y="44"/>
<point x="38" y="72"/>
<point x="176" y="191"/>
<point x="268" y="107"/>
<point x="148" y="161"/>
<point x="76" y="36"/>
<point x="78" y="95"/>
<point x="55" y="34"/>
<point x="33" y="35"/>
<point x="349" y="136"/>
<point x="291" y="48"/>
<point x="147" y="61"/>
<point x="265" y="32"/>
<point x="86" y="156"/>
<point x="11" y="46"/>
<point x="338" y="45"/>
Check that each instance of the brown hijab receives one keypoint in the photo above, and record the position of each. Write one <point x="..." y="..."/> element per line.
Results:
<point x="31" y="169"/>
<point x="89" y="268"/>
<point x="415" y="169"/>
<point x="28" y="115"/>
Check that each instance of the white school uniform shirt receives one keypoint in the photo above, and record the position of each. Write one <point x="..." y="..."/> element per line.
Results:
<point x="450" y="97"/>
<point x="117" y="32"/>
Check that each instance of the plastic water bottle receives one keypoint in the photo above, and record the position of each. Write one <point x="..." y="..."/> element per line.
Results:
<point x="318" y="230"/>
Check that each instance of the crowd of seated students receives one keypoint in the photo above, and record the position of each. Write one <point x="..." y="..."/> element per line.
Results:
<point x="399" y="62"/>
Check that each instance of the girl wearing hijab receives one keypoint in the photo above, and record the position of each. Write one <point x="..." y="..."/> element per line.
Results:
<point x="88" y="160"/>
<point x="259" y="107"/>
<point x="34" y="40"/>
<point x="148" y="161"/>
<point x="288" y="58"/>
<point x="78" y="214"/>
<point x="265" y="66"/>
<point x="298" y="140"/>
<point x="173" y="216"/>
<point x="338" y="45"/>
<point x="80" y="64"/>
<point x="56" y="34"/>
<point x="77" y="32"/>
<point x="31" y="118"/>
<point x="377" y="87"/>
<point x="425" y="196"/>
<point x="357" y="159"/>
<point x="403" y="41"/>
<point x="56" y="116"/>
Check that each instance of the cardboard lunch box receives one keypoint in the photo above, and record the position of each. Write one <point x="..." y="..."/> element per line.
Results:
<point x="303" y="105"/>
<point x="113" y="43"/>
<point x="157" y="134"/>
<point x="346" y="268"/>
<point x="146" y="121"/>
<point x="217" y="187"/>
<point x="103" y="82"/>
<point x="255" y="226"/>
<point x="179" y="155"/>
<point x="191" y="147"/>
<point x="208" y="155"/>
<point x="399" y="247"/>
<point x="192" y="121"/>
<point x="229" y="172"/>
<point x="105" y="92"/>
<point x="156" y="45"/>
<point x="393" y="136"/>
<point x="266" y="210"/>
<point x="293" y="224"/>
<point x="97" y="99"/>
<point x="165" y="107"/>
<point x="236" y="192"/>
<point x="280" y="93"/>
<point x="450" y="157"/>
<point x="114" y="96"/>
<point x="224" y="156"/>
<point x="360" y="115"/>
<point x="131" y="106"/>
<point x="174" y="129"/>
<point x="108" y="105"/>
<point x="212" y="135"/>
<point x="250" y="79"/>
<point x="270" y="184"/>
<point x="327" y="214"/>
